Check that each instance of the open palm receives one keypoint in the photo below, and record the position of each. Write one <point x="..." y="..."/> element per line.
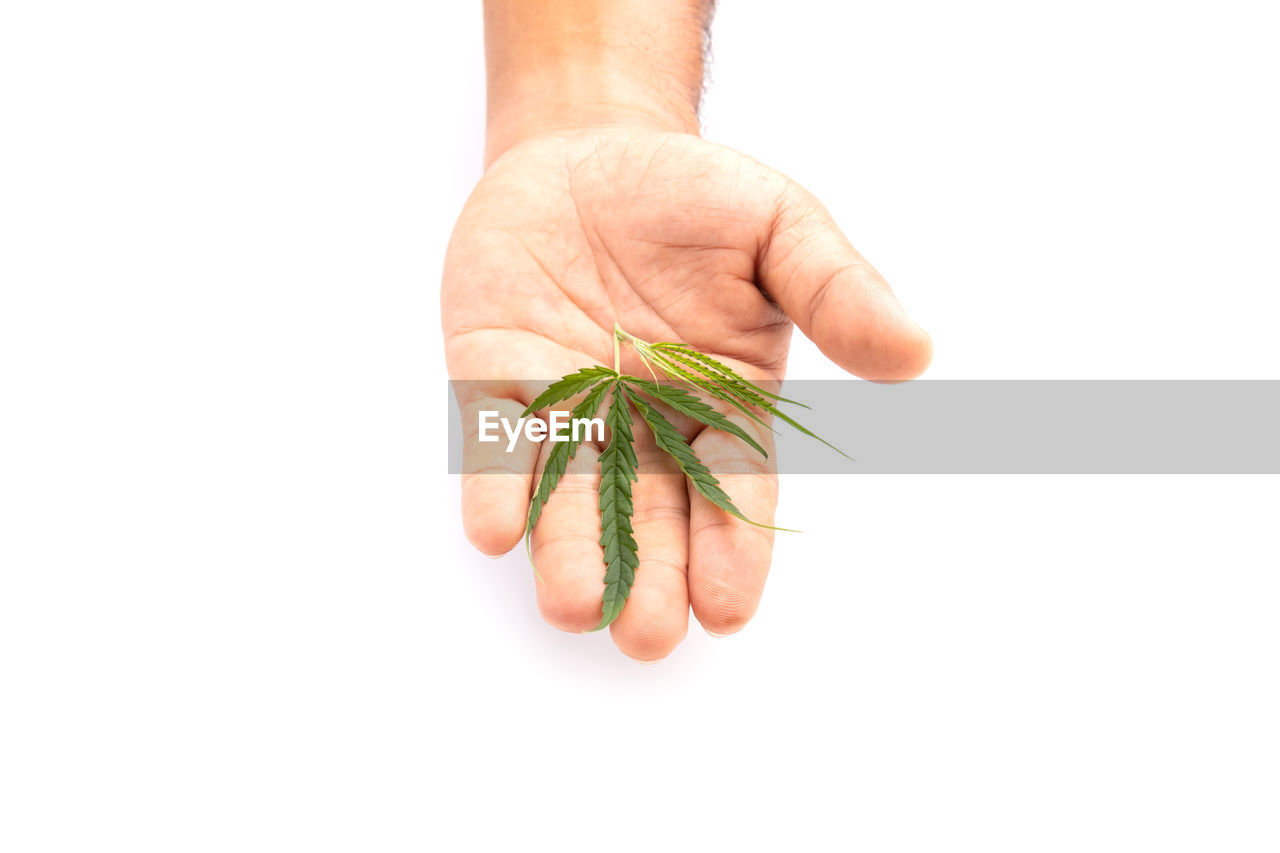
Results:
<point x="675" y="239"/>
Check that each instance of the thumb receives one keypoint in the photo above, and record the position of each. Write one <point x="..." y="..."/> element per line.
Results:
<point x="836" y="298"/>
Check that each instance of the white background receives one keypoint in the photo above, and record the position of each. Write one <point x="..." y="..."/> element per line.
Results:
<point x="236" y="608"/>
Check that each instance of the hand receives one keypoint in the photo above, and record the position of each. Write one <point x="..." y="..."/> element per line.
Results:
<point x="675" y="239"/>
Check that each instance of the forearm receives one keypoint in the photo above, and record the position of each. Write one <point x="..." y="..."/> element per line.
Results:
<point x="564" y="64"/>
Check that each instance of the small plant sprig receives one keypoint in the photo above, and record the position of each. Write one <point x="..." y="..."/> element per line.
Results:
<point x="678" y="362"/>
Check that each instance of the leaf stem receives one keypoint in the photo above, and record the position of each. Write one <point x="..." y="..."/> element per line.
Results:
<point x="643" y="348"/>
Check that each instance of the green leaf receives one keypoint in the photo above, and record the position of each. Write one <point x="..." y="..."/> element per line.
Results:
<point x="712" y="366"/>
<point x="700" y="381"/>
<point x="560" y="454"/>
<point x="688" y="404"/>
<point x="568" y="386"/>
<point x="673" y="444"/>
<point x="714" y="388"/>
<point x="617" y="471"/>
<point x="724" y="383"/>
<point x="618" y="465"/>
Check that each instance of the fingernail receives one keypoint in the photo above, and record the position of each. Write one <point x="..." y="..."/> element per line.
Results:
<point x="650" y="662"/>
<point x="714" y="634"/>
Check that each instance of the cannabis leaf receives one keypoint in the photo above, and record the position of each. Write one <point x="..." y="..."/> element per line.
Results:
<point x="698" y="371"/>
<point x="617" y="471"/>
<point x="721" y="369"/>
<point x="721" y="381"/>
<point x="562" y="452"/>
<point x="569" y="386"/>
<point x="672" y="442"/>
<point x="687" y="404"/>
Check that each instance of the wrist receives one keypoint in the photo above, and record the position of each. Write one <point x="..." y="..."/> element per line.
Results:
<point x="578" y="99"/>
<point x="562" y="65"/>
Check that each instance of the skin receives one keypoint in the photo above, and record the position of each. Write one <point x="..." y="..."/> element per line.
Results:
<point x="600" y="204"/>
